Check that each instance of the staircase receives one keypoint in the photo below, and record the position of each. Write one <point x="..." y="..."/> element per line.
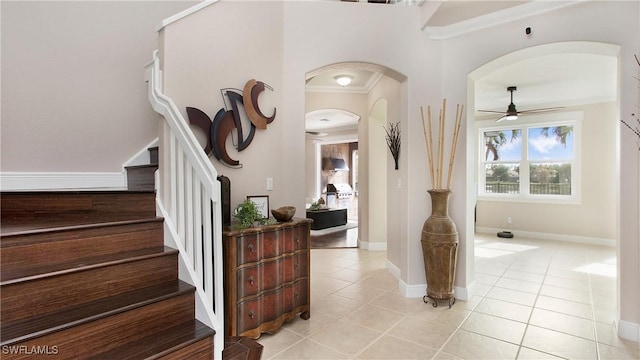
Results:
<point x="86" y="275"/>
<point x="142" y="177"/>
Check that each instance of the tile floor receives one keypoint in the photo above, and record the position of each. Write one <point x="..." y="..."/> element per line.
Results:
<point x="533" y="299"/>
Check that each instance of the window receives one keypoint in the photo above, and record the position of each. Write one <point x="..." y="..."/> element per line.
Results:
<point x="537" y="161"/>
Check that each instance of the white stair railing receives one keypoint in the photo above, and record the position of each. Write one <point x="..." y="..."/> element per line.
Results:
<point x="193" y="222"/>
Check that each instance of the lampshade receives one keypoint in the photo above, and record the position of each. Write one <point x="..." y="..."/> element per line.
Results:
<point x="511" y="117"/>
<point x="344" y="80"/>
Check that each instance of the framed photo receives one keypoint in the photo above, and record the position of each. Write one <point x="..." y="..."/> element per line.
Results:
<point x="262" y="204"/>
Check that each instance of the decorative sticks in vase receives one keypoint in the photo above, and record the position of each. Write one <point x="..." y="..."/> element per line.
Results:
<point x="436" y="164"/>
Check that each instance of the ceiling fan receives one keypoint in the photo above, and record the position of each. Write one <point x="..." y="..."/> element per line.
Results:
<point x="512" y="113"/>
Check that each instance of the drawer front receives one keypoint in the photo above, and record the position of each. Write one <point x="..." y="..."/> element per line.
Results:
<point x="270" y="306"/>
<point x="261" y="277"/>
<point x="248" y="249"/>
<point x="295" y="266"/>
<point x="248" y="315"/>
<point x="295" y="238"/>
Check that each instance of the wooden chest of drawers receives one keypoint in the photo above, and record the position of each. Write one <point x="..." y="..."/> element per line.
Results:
<point x="266" y="277"/>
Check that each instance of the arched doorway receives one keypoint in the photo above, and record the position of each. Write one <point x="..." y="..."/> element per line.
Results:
<point x="559" y="74"/>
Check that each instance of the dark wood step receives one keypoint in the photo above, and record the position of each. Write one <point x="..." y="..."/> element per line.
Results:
<point x="36" y="326"/>
<point x="32" y="295"/>
<point x="153" y="155"/>
<point x="117" y="331"/>
<point x="34" y="204"/>
<point x="188" y="340"/>
<point x="73" y="245"/>
<point x="141" y="177"/>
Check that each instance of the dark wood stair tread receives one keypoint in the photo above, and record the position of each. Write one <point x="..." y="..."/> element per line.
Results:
<point x="161" y="343"/>
<point x="20" y="330"/>
<point x="69" y="221"/>
<point x="143" y="166"/>
<point x="10" y="276"/>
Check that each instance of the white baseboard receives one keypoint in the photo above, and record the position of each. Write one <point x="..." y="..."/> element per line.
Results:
<point x="413" y="291"/>
<point x="393" y="269"/>
<point x="373" y="246"/>
<point x="548" y="236"/>
<point x="61" y="180"/>
<point x="629" y="331"/>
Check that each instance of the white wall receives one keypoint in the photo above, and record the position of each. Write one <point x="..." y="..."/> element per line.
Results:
<point x="73" y="92"/>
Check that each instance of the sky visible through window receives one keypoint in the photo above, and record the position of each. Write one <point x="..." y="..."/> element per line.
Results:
<point x="540" y="147"/>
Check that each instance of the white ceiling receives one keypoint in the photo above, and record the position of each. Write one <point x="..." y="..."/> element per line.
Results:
<point x="545" y="81"/>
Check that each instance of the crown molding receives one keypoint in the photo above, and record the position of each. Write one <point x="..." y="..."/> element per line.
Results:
<point x="496" y="18"/>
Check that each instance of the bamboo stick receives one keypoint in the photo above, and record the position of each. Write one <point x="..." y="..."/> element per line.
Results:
<point x="441" y="150"/>
<point x="433" y="177"/>
<point x="454" y="143"/>
<point x="427" y="141"/>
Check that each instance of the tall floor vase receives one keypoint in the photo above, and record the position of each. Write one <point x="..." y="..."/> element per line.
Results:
<point x="440" y="249"/>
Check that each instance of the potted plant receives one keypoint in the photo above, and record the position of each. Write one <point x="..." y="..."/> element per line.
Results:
<point x="247" y="215"/>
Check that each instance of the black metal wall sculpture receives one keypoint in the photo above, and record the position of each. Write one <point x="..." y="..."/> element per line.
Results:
<point x="226" y="120"/>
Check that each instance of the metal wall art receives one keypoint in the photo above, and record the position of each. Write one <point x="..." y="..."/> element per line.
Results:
<point x="225" y="120"/>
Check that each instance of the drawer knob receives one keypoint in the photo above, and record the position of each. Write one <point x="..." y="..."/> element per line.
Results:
<point x="252" y="248"/>
<point x="297" y="295"/>
<point x="251" y="314"/>
<point x="251" y="280"/>
<point x="296" y="265"/>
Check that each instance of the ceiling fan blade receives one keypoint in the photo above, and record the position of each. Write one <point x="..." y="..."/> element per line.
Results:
<point x="491" y="111"/>
<point x="540" y="110"/>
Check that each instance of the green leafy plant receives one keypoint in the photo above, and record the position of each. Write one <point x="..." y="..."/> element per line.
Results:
<point x="247" y="215"/>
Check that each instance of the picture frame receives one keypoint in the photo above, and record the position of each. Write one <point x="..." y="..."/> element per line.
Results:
<point x="262" y="204"/>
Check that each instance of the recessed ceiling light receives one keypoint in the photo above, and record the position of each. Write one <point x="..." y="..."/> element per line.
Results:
<point x="344" y="80"/>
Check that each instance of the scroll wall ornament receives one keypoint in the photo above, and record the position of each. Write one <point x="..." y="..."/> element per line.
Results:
<point x="225" y="120"/>
<point x="392" y="134"/>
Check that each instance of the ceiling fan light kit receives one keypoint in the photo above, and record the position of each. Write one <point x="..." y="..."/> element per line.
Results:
<point x="512" y="113"/>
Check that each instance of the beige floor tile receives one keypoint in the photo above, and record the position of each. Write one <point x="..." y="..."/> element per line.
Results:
<point x="349" y="275"/>
<point x="307" y="349"/>
<point x="567" y="324"/>
<point x="520" y="285"/>
<point x="327" y="284"/>
<point x="504" y="309"/>
<point x="441" y="355"/>
<point x="524" y="276"/>
<point x="530" y="354"/>
<point x="335" y="306"/>
<point x="581" y="296"/>
<point x="490" y="269"/>
<point x="513" y="296"/>
<point x="613" y="352"/>
<point x="468" y="345"/>
<point x="565" y="307"/>
<point x="559" y="344"/>
<point x="442" y="314"/>
<point x="428" y="333"/>
<point x="389" y="347"/>
<point x="315" y="322"/>
<point x="608" y="335"/>
<point x="381" y="279"/>
<point x="345" y="337"/>
<point x="486" y="279"/>
<point x="569" y="274"/>
<point x="576" y="284"/>
<point x="532" y="267"/>
<point x="374" y="317"/>
<point x="495" y="327"/>
<point x="275" y="343"/>
<point x="397" y="302"/>
<point x="360" y="292"/>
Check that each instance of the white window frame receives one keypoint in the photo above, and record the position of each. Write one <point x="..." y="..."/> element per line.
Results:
<point x="573" y="118"/>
